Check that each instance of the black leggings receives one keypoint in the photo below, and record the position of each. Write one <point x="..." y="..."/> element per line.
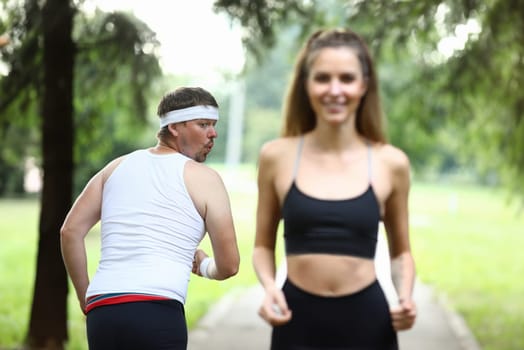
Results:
<point x="357" y="321"/>
<point x="151" y="325"/>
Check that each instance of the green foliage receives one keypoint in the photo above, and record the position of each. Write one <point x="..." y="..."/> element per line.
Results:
<point x="18" y="93"/>
<point x="23" y="56"/>
<point x="479" y="82"/>
<point x="471" y="95"/>
<point x="261" y="19"/>
<point x="115" y="69"/>
<point x="131" y="63"/>
<point x="114" y="85"/>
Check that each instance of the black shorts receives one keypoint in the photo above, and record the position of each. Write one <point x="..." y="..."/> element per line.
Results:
<point x="359" y="321"/>
<point x="151" y="325"/>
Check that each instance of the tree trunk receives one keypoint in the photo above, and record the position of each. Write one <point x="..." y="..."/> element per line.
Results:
<point x="48" y="322"/>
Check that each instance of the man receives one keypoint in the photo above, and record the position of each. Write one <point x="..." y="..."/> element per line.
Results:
<point x="155" y="206"/>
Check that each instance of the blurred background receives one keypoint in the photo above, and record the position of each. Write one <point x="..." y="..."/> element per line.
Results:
<point x="80" y="82"/>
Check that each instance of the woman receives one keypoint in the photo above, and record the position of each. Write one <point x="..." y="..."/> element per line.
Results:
<point x="332" y="177"/>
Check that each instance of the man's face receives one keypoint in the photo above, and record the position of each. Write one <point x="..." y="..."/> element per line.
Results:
<point x="196" y="138"/>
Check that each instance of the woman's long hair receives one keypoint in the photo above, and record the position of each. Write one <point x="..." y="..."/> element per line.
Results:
<point x="299" y="116"/>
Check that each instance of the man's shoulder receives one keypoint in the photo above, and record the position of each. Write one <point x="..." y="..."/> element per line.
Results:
<point x="200" y="170"/>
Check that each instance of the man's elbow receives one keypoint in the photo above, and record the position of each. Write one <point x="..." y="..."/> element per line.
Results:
<point x="65" y="233"/>
<point x="229" y="271"/>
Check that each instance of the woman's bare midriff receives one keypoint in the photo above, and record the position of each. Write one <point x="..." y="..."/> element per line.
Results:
<point x="330" y="275"/>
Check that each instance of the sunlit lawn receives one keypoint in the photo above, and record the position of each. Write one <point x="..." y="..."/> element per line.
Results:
<point x="466" y="241"/>
<point x="468" y="244"/>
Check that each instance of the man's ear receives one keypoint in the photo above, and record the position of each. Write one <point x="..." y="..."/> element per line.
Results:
<point x="173" y="129"/>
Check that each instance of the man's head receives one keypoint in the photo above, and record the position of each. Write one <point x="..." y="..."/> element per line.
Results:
<point x="188" y="117"/>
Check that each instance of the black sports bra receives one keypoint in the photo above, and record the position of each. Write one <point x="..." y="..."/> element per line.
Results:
<point x="341" y="227"/>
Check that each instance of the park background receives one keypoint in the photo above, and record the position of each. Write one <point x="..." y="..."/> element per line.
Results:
<point x="78" y="88"/>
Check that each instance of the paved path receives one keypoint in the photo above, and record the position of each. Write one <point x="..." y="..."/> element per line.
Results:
<point x="233" y="323"/>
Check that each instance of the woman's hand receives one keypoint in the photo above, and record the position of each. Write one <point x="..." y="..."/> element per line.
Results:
<point x="403" y="316"/>
<point x="274" y="308"/>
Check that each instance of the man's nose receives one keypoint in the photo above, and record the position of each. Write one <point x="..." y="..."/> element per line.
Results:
<point x="213" y="134"/>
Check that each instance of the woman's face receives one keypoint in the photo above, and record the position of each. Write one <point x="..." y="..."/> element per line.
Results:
<point x="335" y="84"/>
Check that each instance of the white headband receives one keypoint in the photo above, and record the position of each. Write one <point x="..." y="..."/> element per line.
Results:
<point x="189" y="113"/>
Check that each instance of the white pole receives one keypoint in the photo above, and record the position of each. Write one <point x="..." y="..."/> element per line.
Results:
<point x="235" y="124"/>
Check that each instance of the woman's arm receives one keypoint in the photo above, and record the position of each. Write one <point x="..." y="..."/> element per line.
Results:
<point x="396" y="222"/>
<point x="274" y="308"/>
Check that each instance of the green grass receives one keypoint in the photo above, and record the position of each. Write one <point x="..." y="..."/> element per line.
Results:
<point x="18" y="227"/>
<point x="466" y="241"/>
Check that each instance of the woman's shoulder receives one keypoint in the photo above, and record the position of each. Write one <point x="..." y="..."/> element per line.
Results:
<point x="278" y="147"/>
<point x="276" y="155"/>
<point x="392" y="156"/>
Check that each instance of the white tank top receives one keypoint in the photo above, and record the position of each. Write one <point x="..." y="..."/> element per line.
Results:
<point x="150" y="228"/>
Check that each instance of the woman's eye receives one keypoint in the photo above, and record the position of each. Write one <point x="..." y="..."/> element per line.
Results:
<point x="322" y="78"/>
<point x="347" y="78"/>
<point x="343" y="78"/>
